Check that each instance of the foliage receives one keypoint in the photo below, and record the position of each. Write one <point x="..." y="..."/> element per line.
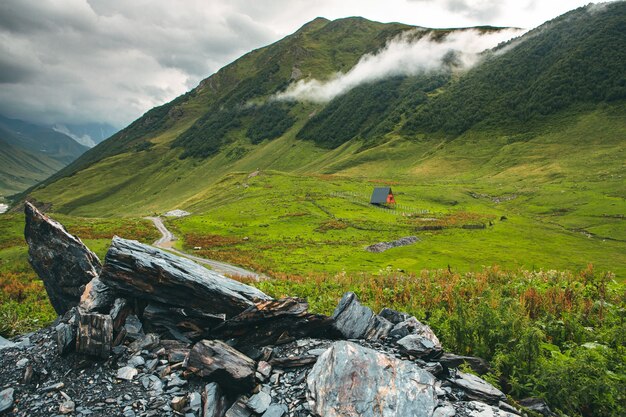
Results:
<point x="540" y="330"/>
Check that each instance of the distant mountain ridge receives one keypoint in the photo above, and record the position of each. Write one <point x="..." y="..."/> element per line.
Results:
<point x="567" y="68"/>
<point x="30" y="153"/>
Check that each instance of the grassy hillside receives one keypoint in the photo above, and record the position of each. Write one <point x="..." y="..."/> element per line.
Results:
<point x="30" y="153"/>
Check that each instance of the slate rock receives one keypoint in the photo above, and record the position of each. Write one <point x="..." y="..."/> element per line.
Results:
<point x="537" y="405"/>
<point x="259" y="402"/>
<point x="6" y="399"/>
<point x="127" y="373"/>
<point x="276" y="410"/>
<point x="6" y="344"/>
<point x="393" y="316"/>
<point x="220" y="362"/>
<point x="477" y="388"/>
<point x="61" y="260"/>
<point x="414" y="326"/>
<point x="66" y="338"/>
<point x="419" y="346"/>
<point x="95" y="334"/>
<point x="480" y="409"/>
<point x="214" y="403"/>
<point x="355" y="321"/>
<point x="97" y="297"/>
<point x="148" y="273"/>
<point x="239" y="408"/>
<point x="350" y="380"/>
<point x="67" y="407"/>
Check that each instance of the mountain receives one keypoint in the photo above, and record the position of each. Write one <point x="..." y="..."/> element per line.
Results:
<point x="30" y="153"/>
<point x="531" y="109"/>
<point x="87" y="134"/>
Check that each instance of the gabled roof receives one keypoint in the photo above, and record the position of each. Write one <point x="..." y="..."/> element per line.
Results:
<point x="379" y="196"/>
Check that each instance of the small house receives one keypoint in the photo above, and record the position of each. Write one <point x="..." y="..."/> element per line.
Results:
<point x="382" y="196"/>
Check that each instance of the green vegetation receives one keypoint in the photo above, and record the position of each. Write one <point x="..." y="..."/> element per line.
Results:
<point x="553" y="335"/>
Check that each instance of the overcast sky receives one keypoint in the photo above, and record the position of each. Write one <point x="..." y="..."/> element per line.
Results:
<point x="84" y="61"/>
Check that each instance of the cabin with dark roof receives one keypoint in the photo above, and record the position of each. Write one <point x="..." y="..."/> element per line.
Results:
<point x="382" y="196"/>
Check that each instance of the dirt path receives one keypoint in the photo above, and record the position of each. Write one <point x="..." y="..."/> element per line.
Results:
<point x="166" y="241"/>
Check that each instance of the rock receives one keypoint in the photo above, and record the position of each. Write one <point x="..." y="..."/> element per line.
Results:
<point x="216" y="360"/>
<point x="67" y="407"/>
<point x="136" y="361"/>
<point x="119" y="311"/>
<point x="276" y="410"/>
<point x="264" y="368"/>
<point x="61" y="260"/>
<point x="148" y="273"/>
<point x="195" y="402"/>
<point x="450" y="360"/>
<point x="95" y="334"/>
<point x="239" y="408"/>
<point x="97" y="297"/>
<point x="126" y="373"/>
<point x="414" y="326"/>
<point x="6" y="399"/>
<point x="259" y="402"/>
<point x="350" y="380"/>
<point x="355" y="321"/>
<point x="66" y="338"/>
<point x="293" y="361"/>
<point x="6" y="344"/>
<point x="393" y="316"/>
<point x="383" y="246"/>
<point x="477" y="388"/>
<point x="537" y="405"/>
<point x="214" y="404"/>
<point x="479" y="409"/>
<point x="445" y="410"/>
<point x="178" y="403"/>
<point x="268" y="322"/>
<point x="147" y="342"/>
<point x="419" y="346"/>
<point x="133" y="327"/>
<point x="191" y="324"/>
<point x="21" y="363"/>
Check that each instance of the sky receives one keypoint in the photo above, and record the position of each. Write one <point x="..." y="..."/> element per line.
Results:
<point x="73" y="62"/>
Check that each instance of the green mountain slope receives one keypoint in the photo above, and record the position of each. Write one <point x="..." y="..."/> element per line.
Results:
<point x="501" y="121"/>
<point x="30" y="153"/>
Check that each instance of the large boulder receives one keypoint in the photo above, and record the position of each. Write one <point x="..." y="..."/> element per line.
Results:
<point x="147" y="273"/>
<point x="62" y="261"/>
<point x="477" y="388"/>
<point x="350" y="380"/>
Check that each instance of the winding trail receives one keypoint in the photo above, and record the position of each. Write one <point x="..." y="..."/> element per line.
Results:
<point x="166" y="241"/>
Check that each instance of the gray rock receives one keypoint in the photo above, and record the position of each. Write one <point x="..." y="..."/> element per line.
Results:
<point x="61" y="260"/>
<point x="477" y="388"/>
<point x="350" y="380"/>
<point x="6" y="344"/>
<point x="450" y="360"/>
<point x="195" y="402"/>
<point x="383" y="246"/>
<point x="419" y="346"/>
<point x="21" y="363"/>
<point x="537" y="405"/>
<point x="276" y="410"/>
<point x="229" y="367"/>
<point x="355" y="321"/>
<point x="393" y="316"/>
<point x="479" y="409"/>
<point x="127" y="373"/>
<point x="444" y="410"/>
<point x="147" y="342"/>
<point x="239" y="408"/>
<point x="214" y="403"/>
<point x="97" y="297"/>
<point x="264" y="368"/>
<point x="414" y="326"/>
<point x="67" y="407"/>
<point x="148" y="273"/>
<point x="6" y="399"/>
<point x="133" y="327"/>
<point x="136" y="361"/>
<point x="259" y="402"/>
<point x="66" y="338"/>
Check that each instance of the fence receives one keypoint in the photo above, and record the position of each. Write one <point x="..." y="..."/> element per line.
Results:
<point x="363" y="199"/>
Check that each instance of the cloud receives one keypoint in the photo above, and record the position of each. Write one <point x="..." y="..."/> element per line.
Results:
<point x="409" y="54"/>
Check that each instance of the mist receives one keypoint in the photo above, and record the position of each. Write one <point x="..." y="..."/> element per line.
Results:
<point x="411" y="53"/>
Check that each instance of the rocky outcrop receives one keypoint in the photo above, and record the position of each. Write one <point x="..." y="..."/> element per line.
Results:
<point x="349" y="380"/>
<point x="156" y="335"/>
<point x="62" y="261"/>
<point x="173" y="280"/>
<point x="383" y="246"/>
